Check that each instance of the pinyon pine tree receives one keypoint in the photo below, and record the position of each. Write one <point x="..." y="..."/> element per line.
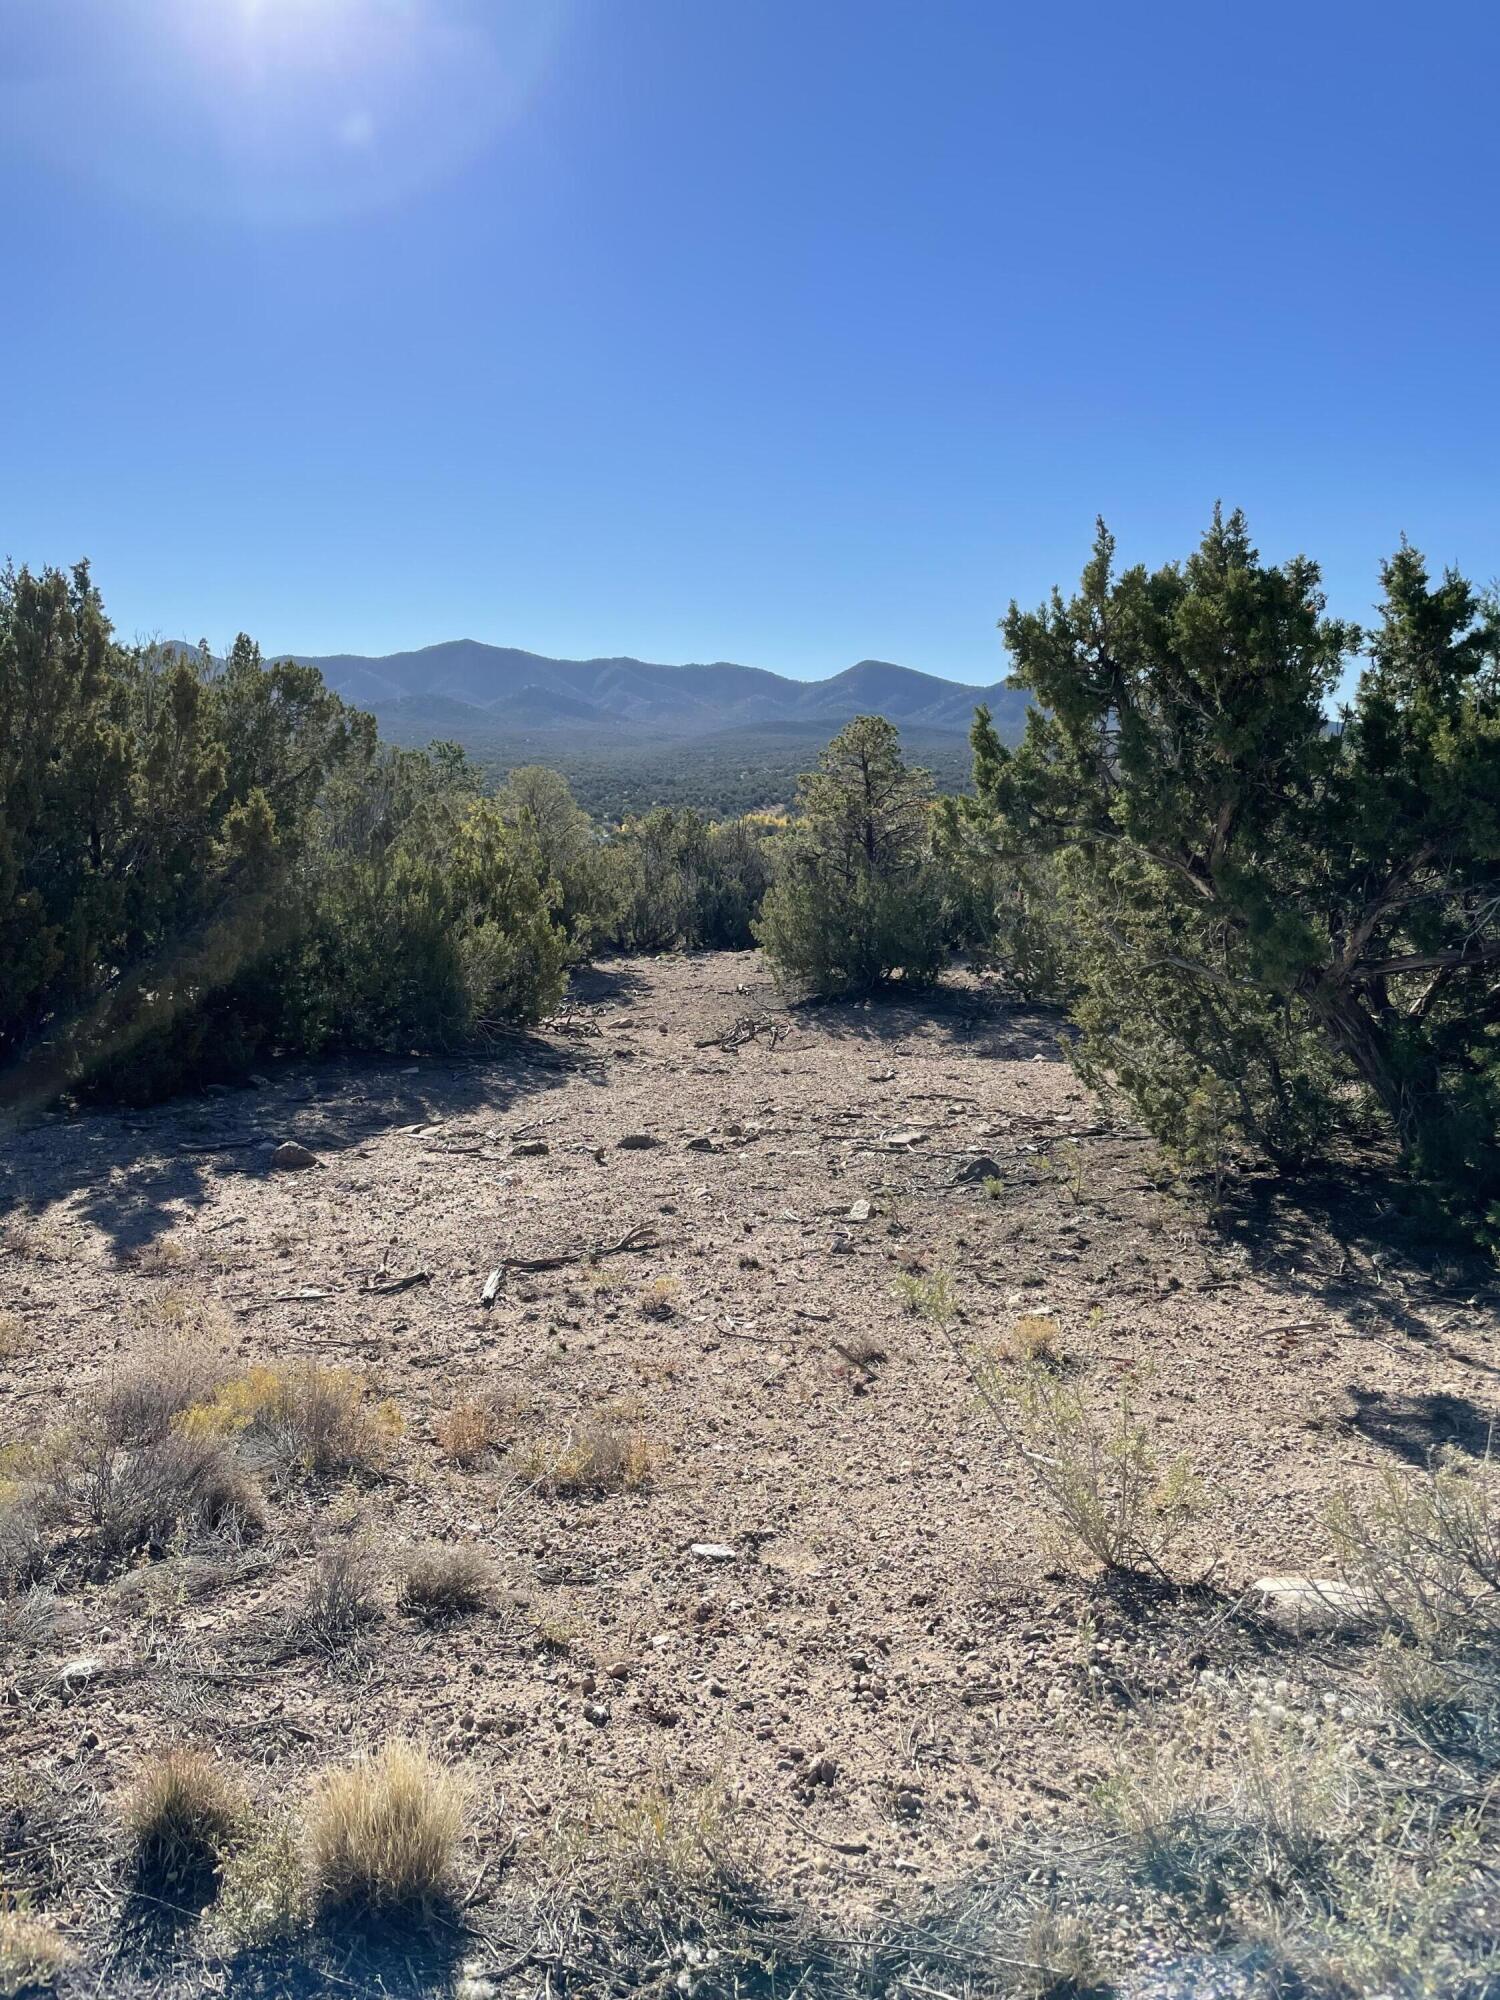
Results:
<point x="857" y="899"/>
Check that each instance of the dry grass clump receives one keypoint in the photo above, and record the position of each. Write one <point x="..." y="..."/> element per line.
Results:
<point x="1276" y="1829"/>
<point x="383" y="1834"/>
<point x="468" y="1433"/>
<point x="340" y="1602"/>
<point x="659" y="1878"/>
<point x="26" y="1511"/>
<point x="1060" y="1961"/>
<point x="140" y="1401"/>
<point x="445" y="1580"/>
<point x="599" y="1458"/>
<point x="178" y="1485"/>
<point x="1204" y="1824"/>
<point x="1036" y="1337"/>
<point x="480" y="1423"/>
<point x="193" y="1575"/>
<point x="33" y="1955"/>
<point x="193" y="1318"/>
<point x="302" y="1420"/>
<point x="157" y="1258"/>
<point x="29" y="1239"/>
<point x="660" y="1842"/>
<point x="179" y="1818"/>
<point x="27" y="1619"/>
<point x="12" y="1336"/>
<point x="659" y="1299"/>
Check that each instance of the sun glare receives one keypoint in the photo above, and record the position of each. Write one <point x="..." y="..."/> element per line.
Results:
<point x="285" y="110"/>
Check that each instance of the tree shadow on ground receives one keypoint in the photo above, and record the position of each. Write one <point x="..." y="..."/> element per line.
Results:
<point x="976" y="1020"/>
<point x="1347" y="1236"/>
<point x="137" y="1170"/>
<point x="403" y="1964"/>
<point x="1417" y="1427"/>
<point x="595" y="985"/>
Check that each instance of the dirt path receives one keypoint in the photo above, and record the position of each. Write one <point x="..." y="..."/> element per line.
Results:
<point x="889" y="1667"/>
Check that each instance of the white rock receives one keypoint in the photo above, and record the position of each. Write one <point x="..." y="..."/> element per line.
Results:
<point x="1314" y="1603"/>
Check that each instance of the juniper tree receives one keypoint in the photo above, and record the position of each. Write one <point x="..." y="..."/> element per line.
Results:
<point x="199" y="858"/>
<point x="1274" y="893"/>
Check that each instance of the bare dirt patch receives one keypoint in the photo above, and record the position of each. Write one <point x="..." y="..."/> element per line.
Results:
<point x="811" y="1572"/>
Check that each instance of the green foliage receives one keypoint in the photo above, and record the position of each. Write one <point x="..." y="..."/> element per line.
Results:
<point x="1009" y="908"/>
<point x="1265" y="904"/>
<point x="1205" y="1063"/>
<point x="676" y="879"/>
<point x="200" y="860"/>
<point x="859" y="896"/>
<point x="1104" y="1484"/>
<point x="430" y="930"/>
<point x="539" y="803"/>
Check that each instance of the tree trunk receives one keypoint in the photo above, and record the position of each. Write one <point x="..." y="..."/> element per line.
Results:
<point x="1408" y="1095"/>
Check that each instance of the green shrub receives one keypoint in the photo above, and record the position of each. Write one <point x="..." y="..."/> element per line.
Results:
<point x="674" y="879"/>
<point x="859" y="897"/>
<point x="201" y="859"/>
<point x="570" y="855"/>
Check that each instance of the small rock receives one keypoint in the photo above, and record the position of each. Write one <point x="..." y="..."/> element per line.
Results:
<point x="529" y="1149"/>
<point x="902" y="1140"/>
<point x="636" y="1142"/>
<point x="981" y="1167"/>
<point x="859" y="1211"/>
<point x="699" y="1143"/>
<point x="595" y="1712"/>
<point x="290" y="1158"/>
<point x="718" y="1552"/>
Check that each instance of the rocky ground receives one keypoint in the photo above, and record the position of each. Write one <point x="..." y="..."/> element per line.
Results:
<point x="835" y="1594"/>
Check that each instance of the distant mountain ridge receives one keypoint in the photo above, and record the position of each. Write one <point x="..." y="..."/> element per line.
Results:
<point x="492" y="688"/>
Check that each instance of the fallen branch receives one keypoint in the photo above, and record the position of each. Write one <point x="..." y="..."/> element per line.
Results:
<point x="642" y="1237"/>
<point x="748" y="1028"/>
<point x="387" y="1286"/>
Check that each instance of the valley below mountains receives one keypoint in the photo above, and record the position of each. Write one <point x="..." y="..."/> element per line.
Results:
<point x="630" y="733"/>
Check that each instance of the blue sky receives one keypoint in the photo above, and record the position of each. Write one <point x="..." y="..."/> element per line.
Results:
<point x="784" y="331"/>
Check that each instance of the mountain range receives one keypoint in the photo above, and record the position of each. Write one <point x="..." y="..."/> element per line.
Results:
<point x="467" y="690"/>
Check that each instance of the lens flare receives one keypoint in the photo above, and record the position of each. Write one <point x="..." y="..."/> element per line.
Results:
<point x="276" y="110"/>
